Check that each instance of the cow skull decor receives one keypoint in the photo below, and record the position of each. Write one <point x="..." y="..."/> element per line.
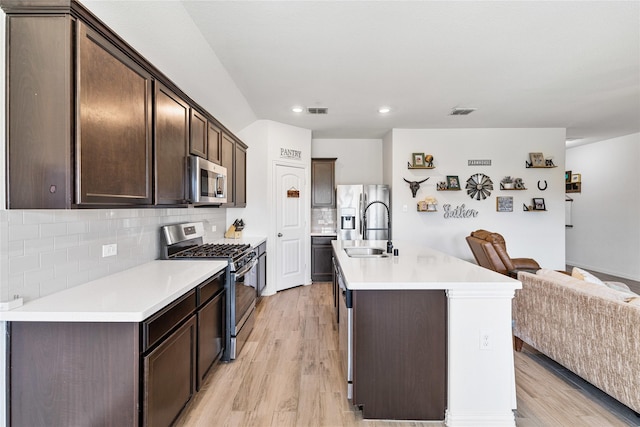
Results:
<point x="414" y="185"/>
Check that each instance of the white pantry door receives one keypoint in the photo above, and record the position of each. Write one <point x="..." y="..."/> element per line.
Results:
<point x="291" y="200"/>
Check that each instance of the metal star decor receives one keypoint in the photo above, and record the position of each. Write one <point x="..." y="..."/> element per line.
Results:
<point x="478" y="186"/>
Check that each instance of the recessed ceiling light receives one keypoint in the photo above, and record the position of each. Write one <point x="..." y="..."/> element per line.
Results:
<point x="384" y="110"/>
<point x="297" y="109"/>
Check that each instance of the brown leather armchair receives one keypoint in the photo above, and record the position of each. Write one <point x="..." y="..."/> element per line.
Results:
<point x="490" y="251"/>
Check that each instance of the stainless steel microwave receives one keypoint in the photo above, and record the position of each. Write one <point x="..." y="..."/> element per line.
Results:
<point x="208" y="182"/>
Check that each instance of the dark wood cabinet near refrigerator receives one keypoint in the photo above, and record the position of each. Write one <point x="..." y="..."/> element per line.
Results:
<point x="116" y="373"/>
<point x="323" y="183"/>
<point x="321" y="258"/>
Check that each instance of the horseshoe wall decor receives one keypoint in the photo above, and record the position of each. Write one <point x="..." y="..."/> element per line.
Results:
<point x="541" y="188"/>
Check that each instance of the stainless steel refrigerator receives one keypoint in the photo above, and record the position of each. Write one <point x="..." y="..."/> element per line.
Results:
<point x="352" y="200"/>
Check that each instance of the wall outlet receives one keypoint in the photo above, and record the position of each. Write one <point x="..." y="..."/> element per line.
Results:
<point x="486" y="340"/>
<point x="109" y="250"/>
<point x="405" y="208"/>
<point x="214" y="228"/>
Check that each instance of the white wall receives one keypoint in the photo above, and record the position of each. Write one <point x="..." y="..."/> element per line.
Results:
<point x="359" y="160"/>
<point x="606" y="215"/>
<point x="267" y="138"/>
<point x="538" y="235"/>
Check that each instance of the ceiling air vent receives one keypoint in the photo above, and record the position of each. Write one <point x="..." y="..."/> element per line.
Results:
<point x="462" y="111"/>
<point x="317" y="110"/>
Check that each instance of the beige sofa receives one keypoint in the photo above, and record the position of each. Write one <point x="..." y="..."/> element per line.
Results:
<point x="590" y="329"/>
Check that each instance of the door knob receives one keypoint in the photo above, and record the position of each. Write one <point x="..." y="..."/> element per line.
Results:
<point x="279" y="234"/>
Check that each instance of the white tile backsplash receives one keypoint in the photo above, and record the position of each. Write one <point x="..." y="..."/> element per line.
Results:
<point x="42" y="252"/>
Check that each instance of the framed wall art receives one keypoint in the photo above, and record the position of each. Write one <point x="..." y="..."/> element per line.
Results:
<point x="453" y="183"/>
<point x="418" y="160"/>
<point x="504" y="204"/>
<point x="537" y="160"/>
<point x="538" y="204"/>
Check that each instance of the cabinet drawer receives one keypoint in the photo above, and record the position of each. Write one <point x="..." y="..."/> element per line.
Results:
<point x="322" y="240"/>
<point x="163" y="322"/>
<point x="211" y="287"/>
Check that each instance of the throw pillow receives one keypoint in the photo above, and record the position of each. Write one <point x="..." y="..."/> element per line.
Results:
<point x="581" y="274"/>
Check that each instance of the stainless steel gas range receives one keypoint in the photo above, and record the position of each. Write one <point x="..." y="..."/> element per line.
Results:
<point x="186" y="241"/>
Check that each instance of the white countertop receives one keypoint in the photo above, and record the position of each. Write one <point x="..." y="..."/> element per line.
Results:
<point x="416" y="267"/>
<point x="128" y="296"/>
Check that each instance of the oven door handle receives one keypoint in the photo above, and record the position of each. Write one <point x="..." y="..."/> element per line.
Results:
<point x="247" y="267"/>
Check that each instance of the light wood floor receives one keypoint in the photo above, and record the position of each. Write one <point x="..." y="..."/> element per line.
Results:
<point x="288" y="374"/>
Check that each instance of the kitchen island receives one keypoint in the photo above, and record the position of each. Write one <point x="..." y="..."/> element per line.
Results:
<point x="428" y="305"/>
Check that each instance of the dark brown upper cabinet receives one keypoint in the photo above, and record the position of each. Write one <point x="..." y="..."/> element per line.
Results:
<point x="323" y="183"/>
<point x="114" y="125"/>
<point x="84" y="128"/>
<point x="171" y="142"/>
<point x="234" y="158"/>
<point x="214" y="142"/>
<point x="227" y="152"/>
<point x="198" y="139"/>
<point x="240" y="176"/>
<point x="39" y="112"/>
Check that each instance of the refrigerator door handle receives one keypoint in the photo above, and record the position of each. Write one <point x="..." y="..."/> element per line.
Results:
<point x="360" y="215"/>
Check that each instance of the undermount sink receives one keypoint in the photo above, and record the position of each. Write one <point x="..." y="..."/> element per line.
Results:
<point x="366" y="252"/>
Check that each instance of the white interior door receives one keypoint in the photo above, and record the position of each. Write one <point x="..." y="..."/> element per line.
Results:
<point x="291" y="200"/>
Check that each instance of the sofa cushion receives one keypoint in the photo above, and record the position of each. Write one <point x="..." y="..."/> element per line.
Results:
<point x="581" y="274"/>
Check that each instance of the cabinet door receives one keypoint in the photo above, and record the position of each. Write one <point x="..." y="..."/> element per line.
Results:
<point x="114" y="125"/>
<point x="39" y="63"/>
<point x="227" y="151"/>
<point x="213" y="143"/>
<point x="171" y="141"/>
<point x="240" y="177"/>
<point x="198" y="139"/>
<point x="323" y="194"/>
<point x="170" y="376"/>
<point x="211" y="332"/>
<point x="321" y="266"/>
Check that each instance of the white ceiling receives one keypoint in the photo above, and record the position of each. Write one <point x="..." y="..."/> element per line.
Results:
<point x="568" y="64"/>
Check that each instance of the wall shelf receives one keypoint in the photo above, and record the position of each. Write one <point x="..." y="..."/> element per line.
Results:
<point x="421" y="167"/>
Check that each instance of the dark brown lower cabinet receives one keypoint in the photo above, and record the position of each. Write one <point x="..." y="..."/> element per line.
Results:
<point x="73" y="374"/>
<point x="211" y="330"/>
<point x="400" y="354"/>
<point x="170" y="376"/>
<point x="116" y="374"/>
<point x="321" y="258"/>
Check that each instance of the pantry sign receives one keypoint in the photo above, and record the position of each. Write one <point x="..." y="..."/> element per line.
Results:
<point x="288" y="153"/>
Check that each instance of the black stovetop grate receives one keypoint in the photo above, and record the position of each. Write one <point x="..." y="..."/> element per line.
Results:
<point x="214" y="250"/>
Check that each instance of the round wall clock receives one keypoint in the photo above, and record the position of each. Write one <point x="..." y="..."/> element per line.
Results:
<point x="479" y="186"/>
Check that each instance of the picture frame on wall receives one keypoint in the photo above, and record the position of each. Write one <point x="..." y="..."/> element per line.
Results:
<point x="576" y="177"/>
<point x="504" y="204"/>
<point x="453" y="183"/>
<point x="537" y="160"/>
<point x="567" y="176"/>
<point x="538" y="204"/>
<point x="418" y="160"/>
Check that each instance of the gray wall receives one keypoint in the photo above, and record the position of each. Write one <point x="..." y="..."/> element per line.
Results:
<point x="605" y="236"/>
